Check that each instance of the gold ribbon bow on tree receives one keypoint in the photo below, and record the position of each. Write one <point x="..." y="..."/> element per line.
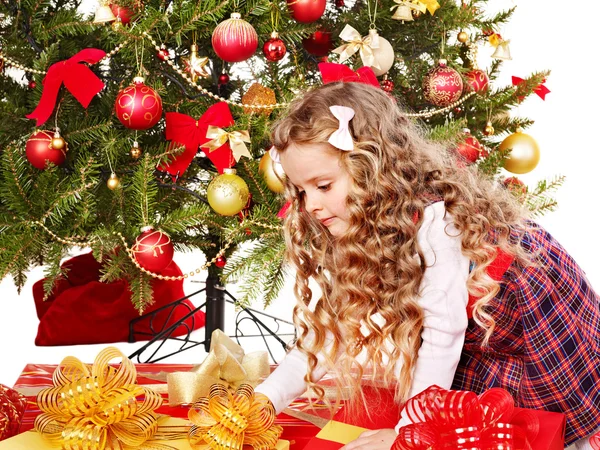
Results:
<point x="225" y="364"/>
<point x="356" y="43"/>
<point x="236" y="141"/>
<point x="419" y="5"/>
<point x="98" y="407"/>
<point x="230" y="421"/>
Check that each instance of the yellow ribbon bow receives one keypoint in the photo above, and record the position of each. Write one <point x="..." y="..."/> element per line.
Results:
<point x="431" y="5"/>
<point x="236" y="140"/>
<point x="230" y="421"/>
<point x="225" y="363"/>
<point x="98" y="407"/>
<point x="356" y="43"/>
<point x="420" y="5"/>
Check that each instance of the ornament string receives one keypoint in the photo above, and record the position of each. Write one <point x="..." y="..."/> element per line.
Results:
<point x="372" y="16"/>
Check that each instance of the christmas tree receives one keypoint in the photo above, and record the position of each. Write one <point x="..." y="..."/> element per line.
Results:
<point x="121" y="127"/>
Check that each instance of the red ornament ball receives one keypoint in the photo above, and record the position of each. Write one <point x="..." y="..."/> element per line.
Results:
<point x="223" y="79"/>
<point x="274" y="48"/>
<point x="32" y="84"/>
<point x="478" y="80"/>
<point x="442" y="85"/>
<point x="306" y="11"/>
<point x="153" y="250"/>
<point x="234" y="39"/>
<point x="163" y="53"/>
<point x="387" y="85"/>
<point x="122" y="13"/>
<point x="470" y="149"/>
<point x="339" y="3"/>
<point x="319" y="43"/>
<point x="39" y="150"/>
<point x="220" y="262"/>
<point x="138" y="107"/>
<point x="515" y="185"/>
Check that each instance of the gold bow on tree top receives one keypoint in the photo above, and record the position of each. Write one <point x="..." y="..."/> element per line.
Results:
<point x="229" y="421"/>
<point x="236" y="140"/>
<point x="98" y="407"/>
<point x="356" y="43"/>
<point x="225" y="363"/>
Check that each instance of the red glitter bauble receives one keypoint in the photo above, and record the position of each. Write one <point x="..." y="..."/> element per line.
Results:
<point x="387" y="85"/>
<point x="478" y="80"/>
<point x="274" y="48"/>
<point x="39" y="151"/>
<point x="223" y="79"/>
<point x="138" y="107"/>
<point x="153" y="250"/>
<point x="234" y="39"/>
<point x="442" y="85"/>
<point x="32" y="84"/>
<point x="339" y="3"/>
<point x="220" y="262"/>
<point x="306" y="11"/>
<point x="318" y="44"/>
<point x="122" y="13"/>
<point x="470" y="149"/>
<point x="163" y="53"/>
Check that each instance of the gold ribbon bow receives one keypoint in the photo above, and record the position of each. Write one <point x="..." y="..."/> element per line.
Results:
<point x="420" y="5"/>
<point x="236" y="140"/>
<point x="98" y="407"/>
<point x="431" y="5"/>
<point x="230" y="421"/>
<point x="225" y="364"/>
<point x="356" y="43"/>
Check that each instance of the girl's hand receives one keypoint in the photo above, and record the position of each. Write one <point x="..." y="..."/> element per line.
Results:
<point x="373" y="440"/>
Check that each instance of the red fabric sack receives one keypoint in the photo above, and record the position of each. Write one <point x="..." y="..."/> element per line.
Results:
<point x="82" y="310"/>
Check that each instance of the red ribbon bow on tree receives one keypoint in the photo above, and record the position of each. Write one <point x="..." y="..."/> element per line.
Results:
<point x="541" y="90"/>
<point x="192" y="133"/>
<point x="77" y="78"/>
<point x="459" y="419"/>
<point x="332" y="72"/>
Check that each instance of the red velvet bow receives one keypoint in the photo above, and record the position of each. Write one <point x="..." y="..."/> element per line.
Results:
<point x="541" y="90"/>
<point x="459" y="419"/>
<point x="78" y="79"/>
<point x="332" y="72"/>
<point x="192" y="133"/>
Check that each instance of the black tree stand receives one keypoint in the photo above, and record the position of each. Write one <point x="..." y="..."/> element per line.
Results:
<point x="215" y="319"/>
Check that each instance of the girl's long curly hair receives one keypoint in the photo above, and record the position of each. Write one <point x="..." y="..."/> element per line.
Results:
<point x="377" y="266"/>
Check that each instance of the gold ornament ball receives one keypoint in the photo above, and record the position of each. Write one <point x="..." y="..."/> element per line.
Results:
<point x="135" y="151"/>
<point x="259" y="95"/>
<point x="113" y="182"/>
<point x="58" y="143"/>
<point x="463" y="37"/>
<point x="227" y="193"/>
<point x="272" y="173"/>
<point x="489" y="129"/>
<point x="524" y="155"/>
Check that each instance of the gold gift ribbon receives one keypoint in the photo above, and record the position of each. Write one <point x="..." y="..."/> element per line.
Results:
<point x="226" y="364"/>
<point x="229" y="421"/>
<point x="356" y="43"/>
<point x="236" y="140"/>
<point x="98" y="407"/>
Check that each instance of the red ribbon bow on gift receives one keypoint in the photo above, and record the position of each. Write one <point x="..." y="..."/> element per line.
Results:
<point x="192" y="133"/>
<point x="12" y="408"/>
<point x="77" y="78"/>
<point x="541" y="90"/>
<point x="459" y="419"/>
<point x="332" y="72"/>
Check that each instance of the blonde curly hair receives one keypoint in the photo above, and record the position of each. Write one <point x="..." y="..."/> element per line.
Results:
<point x="373" y="268"/>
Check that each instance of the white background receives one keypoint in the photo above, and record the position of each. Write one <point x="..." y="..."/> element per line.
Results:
<point x="542" y="36"/>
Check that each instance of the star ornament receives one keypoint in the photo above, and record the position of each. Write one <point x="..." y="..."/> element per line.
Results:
<point x="195" y="65"/>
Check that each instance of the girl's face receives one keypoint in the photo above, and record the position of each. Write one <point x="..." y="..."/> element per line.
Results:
<point x="316" y="170"/>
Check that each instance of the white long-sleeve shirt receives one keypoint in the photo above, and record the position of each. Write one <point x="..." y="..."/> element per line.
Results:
<point x="443" y="297"/>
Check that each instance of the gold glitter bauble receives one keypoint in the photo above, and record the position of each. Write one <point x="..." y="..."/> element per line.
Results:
<point x="489" y="129"/>
<point x="463" y="37"/>
<point x="113" y="182"/>
<point x="259" y="95"/>
<point x="524" y="155"/>
<point x="57" y="143"/>
<point x="227" y="193"/>
<point x="272" y="173"/>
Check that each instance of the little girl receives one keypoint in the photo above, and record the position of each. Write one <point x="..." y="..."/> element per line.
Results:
<point x="429" y="273"/>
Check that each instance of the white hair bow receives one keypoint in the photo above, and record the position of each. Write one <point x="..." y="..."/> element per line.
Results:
<point x="341" y="138"/>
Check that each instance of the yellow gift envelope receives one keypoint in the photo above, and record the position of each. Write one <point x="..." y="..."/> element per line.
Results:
<point x="33" y="440"/>
<point x="340" y="432"/>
